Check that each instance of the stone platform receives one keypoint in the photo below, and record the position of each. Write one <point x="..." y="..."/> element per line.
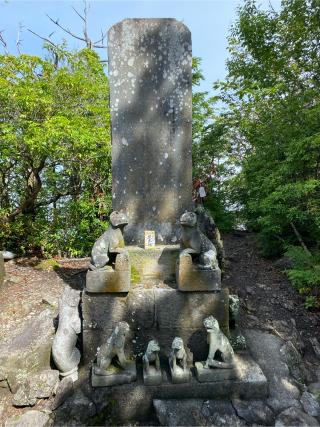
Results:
<point x="156" y="313"/>
<point x="134" y="401"/>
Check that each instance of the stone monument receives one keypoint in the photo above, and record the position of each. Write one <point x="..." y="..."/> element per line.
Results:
<point x="150" y="69"/>
<point x="150" y="64"/>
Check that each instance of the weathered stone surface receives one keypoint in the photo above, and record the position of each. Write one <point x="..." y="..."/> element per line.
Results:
<point x="153" y="264"/>
<point x="254" y="412"/>
<point x="64" y="391"/>
<point x="192" y="278"/>
<point x="29" y="419"/>
<point x="111" y="280"/>
<point x="177" y="412"/>
<point x="295" y="417"/>
<point x="29" y="347"/>
<point x="65" y="354"/>
<point x="310" y="404"/>
<point x="151" y="101"/>
<point x="314" y="388"/>
<point x="161" y="313"/>
<point x="118" y="377"/>
<point x="134" y="401"/>
<point x="207" y="375"/>
<point x="39" y="385"/>
<point x="76" y="410"/>
<point x="2" y="270"/>
<point x="24" y="396"/>
<point x="221" y="413"/>
<point x="265" y="348"/>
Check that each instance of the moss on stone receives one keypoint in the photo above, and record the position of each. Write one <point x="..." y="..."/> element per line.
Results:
<point x="47" y="264"/>
<point x="135" y="275"/>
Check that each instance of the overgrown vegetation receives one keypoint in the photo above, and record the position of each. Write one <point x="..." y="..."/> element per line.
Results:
<point x="54" y="153"/>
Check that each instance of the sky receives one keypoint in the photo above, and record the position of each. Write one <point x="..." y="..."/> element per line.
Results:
<point x="209" y="22"/>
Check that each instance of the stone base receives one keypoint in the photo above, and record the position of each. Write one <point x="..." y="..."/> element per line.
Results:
<point x="192" y="278"/>
<point x="179" y="375"/>
<point x="207" y="375"/>
<point x="134" y="401"/>
<point x="108" y="281"/>
<point x="153" y="265"/>
<point x="158" y="313"/>
<point x="153" y="377"/>
<point x="114" y="378"/>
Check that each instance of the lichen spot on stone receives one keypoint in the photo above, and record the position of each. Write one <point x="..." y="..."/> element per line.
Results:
<point x="124" y="141"/>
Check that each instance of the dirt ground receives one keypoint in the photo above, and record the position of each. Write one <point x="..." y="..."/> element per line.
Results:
<point x="268" y="301"/>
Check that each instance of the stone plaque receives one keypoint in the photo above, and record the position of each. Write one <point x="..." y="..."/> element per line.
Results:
<point x="150" y="65"/>
<point x="149" y="239"/>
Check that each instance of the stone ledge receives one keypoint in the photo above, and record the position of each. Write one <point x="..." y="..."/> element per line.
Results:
<point x="134" y="401"/>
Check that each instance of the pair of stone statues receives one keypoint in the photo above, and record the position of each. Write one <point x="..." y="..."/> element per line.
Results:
<point x="113" y="367"/>
<point x="197" y="266"/>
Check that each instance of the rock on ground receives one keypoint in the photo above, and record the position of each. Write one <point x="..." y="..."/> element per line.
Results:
<point x="265" y="349"/>
<point x="38" y="385"/>
<point x="76" y="410"/>
<point x="64" y="391"/>
<point x="196" y="412"/>
<point x="295" y="417"/>
<point x="29" y="419"/>
<point x="29" y="349"/>
<point x="310" y="404"/>
<point x="254" y="412"/>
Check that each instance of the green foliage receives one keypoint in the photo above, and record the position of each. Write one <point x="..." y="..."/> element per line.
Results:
<point x="305" y="274"/>
<point x="224" y="219"/>
<point x="272" y="113"/>
<point x="54" y="152"/>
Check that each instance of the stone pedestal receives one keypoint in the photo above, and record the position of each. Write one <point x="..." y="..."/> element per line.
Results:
<point x="157" y="313"/>
<point x="152" y="377"/>
<point x="114" y="376"/>
<point x="111" y="279"/>
<point x="180" y="375"/>
<point x="208" y="375"/>
<point x="134" y="401"/>
<point x="190" y="277"/>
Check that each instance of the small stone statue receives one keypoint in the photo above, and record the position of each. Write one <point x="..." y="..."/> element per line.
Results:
<point x="218" y="343"/>
<point x="151" y="364"/>
<point x="194" y="242"/>
<point x="110" y="243"/>
<point x="220" y="361"/>
<point x="237" y="340"/>
<point x="112" y="366"/>
<point x="109" y="269"/>
<point x="197" y="268"/>
<point x="180" y="372"/>
<point x="65" y="354"/>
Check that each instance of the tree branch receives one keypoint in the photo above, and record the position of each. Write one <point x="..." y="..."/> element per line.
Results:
<point x="66" y="30"/>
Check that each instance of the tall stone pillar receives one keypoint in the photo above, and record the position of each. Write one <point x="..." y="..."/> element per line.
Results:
<point x="150" y="72"/>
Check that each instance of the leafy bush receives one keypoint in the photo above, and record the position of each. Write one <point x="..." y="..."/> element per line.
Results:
<point x="305" y="274"/>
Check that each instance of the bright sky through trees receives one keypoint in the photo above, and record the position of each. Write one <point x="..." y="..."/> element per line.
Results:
<point x="209" y="22"/>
